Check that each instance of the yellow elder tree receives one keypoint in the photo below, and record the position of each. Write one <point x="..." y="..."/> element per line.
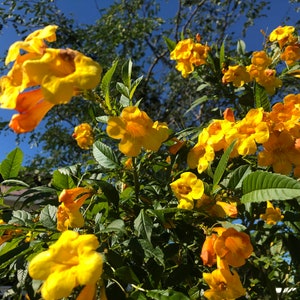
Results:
<point x="211" y="212"/>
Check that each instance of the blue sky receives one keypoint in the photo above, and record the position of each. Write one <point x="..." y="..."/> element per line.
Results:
<point x="85" y="11"/>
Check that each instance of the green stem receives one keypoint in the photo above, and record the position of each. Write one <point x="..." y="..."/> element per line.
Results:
<point x="136" y="179"/>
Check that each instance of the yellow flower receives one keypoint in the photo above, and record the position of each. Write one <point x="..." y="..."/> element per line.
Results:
<point x="59" y="74"/>
<point x="201" y="154"/>
<point x="267" y="78"/>
<point x="272" y="215"/>
<point x="233" y="246"/>
<point x="224" y="284"/>
<point x="187" y="188"/>
<point x="68" y="263"/>
<point x="34" y="43"/>
<point x="238" y="75"/>
<point x="83" y="134"/>
<point x="208" y="254"/>
<point x="283" y="35"/>
<point x="136" y="130"/>
<point x="68" y="214"/>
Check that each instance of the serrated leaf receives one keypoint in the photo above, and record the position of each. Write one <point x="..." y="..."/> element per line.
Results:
<point x="237" y="176"/>
<point x="12" y="164"/>
<point x="261" y="186"/>
<point x="116" y="225"/>
<point x="105" y="156"/>
<point x="166" y="295"/>
<point x="105" y="83"/>
<point x="62" y="181"/>
<point x="122" y="89"/>
<point x="170" y="43"/>
<point x="261" y="97"/>
<point x="143" y="225"/>
<point x="222" y="165"/>
<point x="20" y="217"/>
<point x="48" y="216"/>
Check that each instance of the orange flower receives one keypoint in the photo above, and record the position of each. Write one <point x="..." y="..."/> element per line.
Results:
<point x="229" y="209"/>
<point x="272" y="215"/>
<point x="291" y="54"/>
<point x="68" y="214"/>
<point x="261" y="60"/>
<point x="224" y="284"/>
<point x="208" y="254"/>
<point x="136" y="130"/>
<point x="83" y="134"/>
<point x="238" y="75"/>
<point x="32" y="108"/>
<point x="280" y="153"/>
<point x="233" y="246"/>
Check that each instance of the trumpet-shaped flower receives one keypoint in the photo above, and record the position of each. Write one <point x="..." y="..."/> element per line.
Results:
<point x="68" y="263"/>
<point x="208" y="254"/>
<point x="291" y="54"/>
<point x="68" y="213"/>
<point x="224" y="284"/>
<point x="187" y="188"/>
<point x="202" y="153"/>
<point x="233" y="246"/>
<point x="272" y="215"/>
<point x="238" y="75"/>
<point x="59" y="74"/>
<point x="32" y="108"/>
<point x="136" y="131"/>
<point x="83" y="134"/>
<point x="261" y="60"/>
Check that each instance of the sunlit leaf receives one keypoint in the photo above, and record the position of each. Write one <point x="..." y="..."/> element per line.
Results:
<point x="11" y="165"/>
<point x="105" y="156"/>
<point x="143" y="225"/>
<point x="261" y="186"/>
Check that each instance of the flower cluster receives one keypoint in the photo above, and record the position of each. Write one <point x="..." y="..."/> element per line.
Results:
<point x="43" y="77"/>
<point x="189" y="54"/>
<point x="260" y="70"/>
<point x="136" y="130"/>
<point x="272" y="215"/>
<point x="70" y="262"/>
<point x="84" y="136"/>
<point x="227" y="248"/>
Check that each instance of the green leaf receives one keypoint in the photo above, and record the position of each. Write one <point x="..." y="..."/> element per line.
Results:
<point x="166" y="295"/>
<point x="105" y="83"/>
<point x="237" y="177"/>
<point x="196" y="103"/>
<point x="134" y="86"/>
<point x="241" y="47"/>
<point x="222" y="166"/>
<point x="116" y="225"/>
<point x="151" y="252"/>
<point x="261" y="186"/>
<point x="261" y="98"/>
<point x="170" y="43"/>
<point x="11" y="165"/>
<point x="222" y="55"/>
<point x="62" y="181"/>
<point x="122" y="89"/>
<point x="143" y="225"/>
<point x="48" y="216"/>
<point x="127" y="275"/>
<point x="126" y="73"/>
<point x="20" y="217"/>
<point x="105" y="156"/>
